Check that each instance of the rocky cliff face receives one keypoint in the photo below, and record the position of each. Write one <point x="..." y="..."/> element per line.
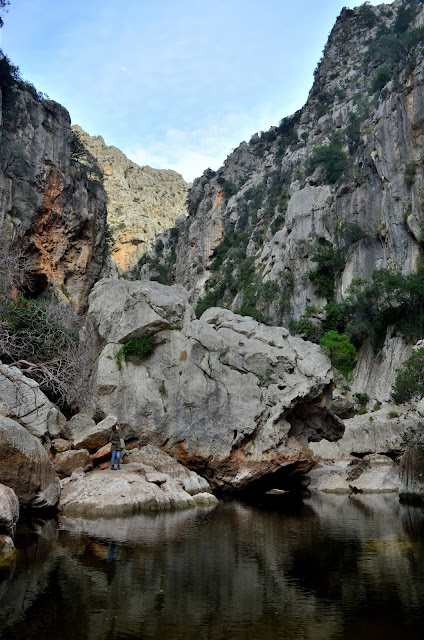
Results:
<point x="142" y="202"/>
<point x="46" y="199"/>
<point x="331" y="195"/>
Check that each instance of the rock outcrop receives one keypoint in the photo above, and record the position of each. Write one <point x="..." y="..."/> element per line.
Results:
<point x="22" y="400"/>
<point x="373" y="473"/>
<point x="412" y="474"/>
<point x="226" y="396"/>
<point x="380" y="431"/>
<point x="46" y="198"/>
<point x="26" y="468"/>
<point x="135" y="488"/>
<point x="142" y="202"/>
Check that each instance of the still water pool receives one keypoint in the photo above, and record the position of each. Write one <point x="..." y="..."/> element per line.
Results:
<point x="326" y="568"/>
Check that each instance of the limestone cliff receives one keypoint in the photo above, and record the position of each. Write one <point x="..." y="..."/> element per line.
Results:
<point x="142" y="202"/>
<point x="330" y="195"/>
<point x="46" y="199"/>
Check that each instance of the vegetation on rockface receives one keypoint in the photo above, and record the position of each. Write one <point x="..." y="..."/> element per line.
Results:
<point x="81" y="156"/>
<point x="332" y="158"/>
<point x="261" y="207"/>
<point x="395" y="47"/>
<point x="135" y="349"/>
<point x="10" y="81"/>
<point x="388" y="299"/>
<point x="43" y="337"/>
<point x="161" y="261"/>
<point x="340" y="350"/>
<point x="409" y="382"/>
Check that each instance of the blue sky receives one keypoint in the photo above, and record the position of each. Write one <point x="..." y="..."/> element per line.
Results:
<point x="173" y="83"/>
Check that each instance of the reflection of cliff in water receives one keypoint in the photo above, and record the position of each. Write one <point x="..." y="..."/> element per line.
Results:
<point x="326" y="569"/>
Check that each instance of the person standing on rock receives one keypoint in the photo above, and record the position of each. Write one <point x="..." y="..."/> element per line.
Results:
<point x="116" y="447"/>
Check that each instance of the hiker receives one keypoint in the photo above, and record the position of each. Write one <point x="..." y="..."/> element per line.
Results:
<point x="116" y="447"/>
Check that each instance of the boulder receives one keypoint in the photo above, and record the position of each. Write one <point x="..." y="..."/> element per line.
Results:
<point x="136" y="309"/>
<point x="86" y="434"/>
<point x="97" y="436"/>
<point x="111" y="494"/>
<point x="373" y="473"/>
<point x="78" y="424"/>
<point x="22" y="400"/>
<point x="190" y="481"/>
<point x="26" y="468"/>
<point x="102" y="454"/>
<point x="205" y="499"/>
<point x="66" y="462"/>
<point x="9" y="508"/>
<point x="60" y="445"/>
<point x="226" y="396"/>
<point x="6" y="546"/>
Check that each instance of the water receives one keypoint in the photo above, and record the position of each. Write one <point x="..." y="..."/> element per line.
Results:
<point x="328" y="568"/>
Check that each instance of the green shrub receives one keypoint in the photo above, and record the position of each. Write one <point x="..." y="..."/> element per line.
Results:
<point x="380" y="80"/>
<point x="340" y="350"/>
<point x="332" y="158"/>
<point x="135" y="348"/>
<point x="329" y="263"/>
<point x="409" y="383"/>
<point x="410" y="171"/>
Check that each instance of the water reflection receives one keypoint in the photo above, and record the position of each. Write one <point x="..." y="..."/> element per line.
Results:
<point x="328" y="568"/>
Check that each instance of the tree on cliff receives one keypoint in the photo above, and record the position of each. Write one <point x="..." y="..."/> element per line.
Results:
<point x="3" y="5"/>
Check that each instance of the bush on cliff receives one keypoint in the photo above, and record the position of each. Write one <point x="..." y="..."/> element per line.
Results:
<point x="409" y="382"/>
<point x="332" y="158"/>
<point x="340" y="350"/>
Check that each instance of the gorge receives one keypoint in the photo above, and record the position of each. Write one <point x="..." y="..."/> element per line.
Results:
<point x="257" y="334"/>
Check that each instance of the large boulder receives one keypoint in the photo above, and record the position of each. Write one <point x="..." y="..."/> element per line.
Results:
<point x="22" y="400"/>
<point x="65" y="463"/>
<point x="133" y="489"/>
<point x="86" y="434"/>
<point x="9" y="508"/>
<point x="7" y="547"/>
<point x="225" y="395"/>
<point x="190" y="481"/>
<point x="26" y="467"/>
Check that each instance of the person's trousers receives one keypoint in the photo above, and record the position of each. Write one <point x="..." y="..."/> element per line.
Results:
<point x="118" y="457"/>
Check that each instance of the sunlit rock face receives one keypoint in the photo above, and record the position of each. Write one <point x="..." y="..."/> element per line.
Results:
<point x="47" y="201"/>
<point x="142" y="202"/>
<point x="225" y="395"/>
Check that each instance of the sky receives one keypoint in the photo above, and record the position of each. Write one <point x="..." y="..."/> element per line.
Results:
<point x="175" y="84"/>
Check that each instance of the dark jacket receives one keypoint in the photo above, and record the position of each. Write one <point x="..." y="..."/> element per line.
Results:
<point x="115" y="439"/>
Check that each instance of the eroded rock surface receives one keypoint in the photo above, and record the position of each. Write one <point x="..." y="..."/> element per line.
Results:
<point x="9" y="508"/>
<point x="22" y="400"/>
<point x="373" y="473"/>
<point x="47" y="199"/>
<point x="25" y="467"/>
<point x="65" y="463"/>
<point x="380" y="431"/>
<point x="226" y="396"/>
